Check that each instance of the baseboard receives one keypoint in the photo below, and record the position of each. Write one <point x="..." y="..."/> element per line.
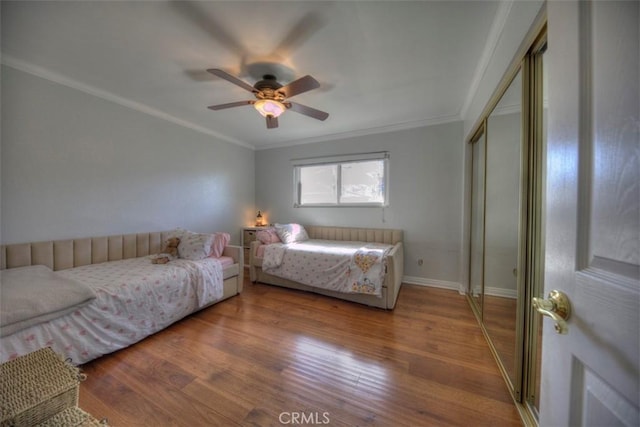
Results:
<point x="434" y="283"/>
<point x="444" y="284"/>
<point x="501" y="292"/>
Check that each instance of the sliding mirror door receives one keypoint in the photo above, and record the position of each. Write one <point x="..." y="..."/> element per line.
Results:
<point x="506" y="223"/>
<point x="503" y="198"/>
<point x="497" y="195"/>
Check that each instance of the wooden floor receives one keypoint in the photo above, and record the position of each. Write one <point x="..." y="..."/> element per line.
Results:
<point x="274" y="356"/>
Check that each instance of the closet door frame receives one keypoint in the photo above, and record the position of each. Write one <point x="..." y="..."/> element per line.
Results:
<point x="476" y="304"/>
<point x="535" y="225"/>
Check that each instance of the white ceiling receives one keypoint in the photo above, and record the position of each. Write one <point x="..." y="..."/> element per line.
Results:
<point x="382" y="65"/>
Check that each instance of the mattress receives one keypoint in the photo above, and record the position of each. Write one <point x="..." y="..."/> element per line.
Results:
<point x="135" y="298"/>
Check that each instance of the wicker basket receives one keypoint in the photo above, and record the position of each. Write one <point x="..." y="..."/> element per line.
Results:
<point x="73" y="417"/>
<point x="36" y="387"/>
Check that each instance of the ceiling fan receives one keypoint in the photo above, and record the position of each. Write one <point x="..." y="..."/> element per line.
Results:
<point x="272" y="97"/>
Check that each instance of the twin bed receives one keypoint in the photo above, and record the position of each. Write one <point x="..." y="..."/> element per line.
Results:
<point x="115" y="296"/>
<point x="341" y="262"/>
<point x="126" y="298"/>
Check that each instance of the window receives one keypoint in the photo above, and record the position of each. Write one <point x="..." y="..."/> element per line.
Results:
<point x="354" y="180"/>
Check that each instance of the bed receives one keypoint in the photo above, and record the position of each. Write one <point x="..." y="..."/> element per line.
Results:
<point x="345" y="239"/>
<point x="129" y="297"/>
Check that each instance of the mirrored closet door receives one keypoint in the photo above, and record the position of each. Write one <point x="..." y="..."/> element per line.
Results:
<point x="506" y="204"/>
<point x="496" y="199"/>
<point x="503" y="198"/>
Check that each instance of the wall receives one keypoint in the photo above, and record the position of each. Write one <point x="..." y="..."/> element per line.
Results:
<point x="425" y="186"/>
<point x="76" y="165"/>
<point x="518" y="22"/>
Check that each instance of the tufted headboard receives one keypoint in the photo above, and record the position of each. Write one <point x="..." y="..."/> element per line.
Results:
<point x="63" y="254"/>
<point x="377" y="235"/>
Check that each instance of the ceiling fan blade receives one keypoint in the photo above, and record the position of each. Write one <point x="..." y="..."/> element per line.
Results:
<point x="232" y="79"/>
<point x="199" y="75"/>
<point x="230" y="105"/>
<point x="296" y="87"/>
<point x="272" y="122"/>
<point x="307" y="111"/>
<point x="310" y="23"/>
<point x="202" y="16"/>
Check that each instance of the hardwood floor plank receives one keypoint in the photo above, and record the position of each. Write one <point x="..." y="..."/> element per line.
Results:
<point x="272" y="356"/>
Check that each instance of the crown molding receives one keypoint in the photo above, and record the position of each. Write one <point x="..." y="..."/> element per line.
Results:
<point x="364" y="132"/>
<point x="506" y="109"/>
<point x="49" y="75"/>
<point x="54" y="77"/>
<point x="497" y="27"/>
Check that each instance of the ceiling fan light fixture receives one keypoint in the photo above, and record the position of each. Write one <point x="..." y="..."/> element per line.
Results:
<point x="269" y="107"/>
<point x="271" y="97"/>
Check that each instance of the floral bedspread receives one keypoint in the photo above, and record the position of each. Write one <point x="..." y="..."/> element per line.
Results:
<point x="135" y="298"/>
<point x="348" y="267"/>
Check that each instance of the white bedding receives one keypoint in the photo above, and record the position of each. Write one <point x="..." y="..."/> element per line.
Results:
<point x="135" y="298"/>
<point x="34" y="294"/>
<point x="342" y="266"/>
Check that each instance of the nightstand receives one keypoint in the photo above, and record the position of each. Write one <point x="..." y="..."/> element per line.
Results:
<point x="248" y="236"/>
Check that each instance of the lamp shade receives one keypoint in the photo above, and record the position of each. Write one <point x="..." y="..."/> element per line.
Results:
<point x="269" y="107"/>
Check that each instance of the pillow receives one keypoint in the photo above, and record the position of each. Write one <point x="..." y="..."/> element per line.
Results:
<point x="220" y="241"/>
<point x="290" y="233"/>
<point x="194" y="246"/>
<point x="35" y="294"/>
<point x="178" y="232"/>
<point x="268" y="236"/>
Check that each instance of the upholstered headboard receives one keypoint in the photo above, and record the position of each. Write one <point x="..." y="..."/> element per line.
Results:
<point x="63" y="254"/>
<point x="377" y="235"/>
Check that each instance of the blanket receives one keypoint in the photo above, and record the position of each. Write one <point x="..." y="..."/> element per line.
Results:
<point x="348" y="267"/>
<point x="273" y="256"/>
<point x="134" y="299"/>
<point x="367" y="270"/>
<point x="206" y="278"/>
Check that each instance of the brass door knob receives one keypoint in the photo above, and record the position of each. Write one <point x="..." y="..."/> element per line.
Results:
<point x="556" y="306"/>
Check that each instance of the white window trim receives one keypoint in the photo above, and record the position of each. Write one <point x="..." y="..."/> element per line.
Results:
<point x="348" y="158"/>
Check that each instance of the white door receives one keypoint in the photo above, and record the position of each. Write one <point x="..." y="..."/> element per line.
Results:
<point x="590" y="376"/>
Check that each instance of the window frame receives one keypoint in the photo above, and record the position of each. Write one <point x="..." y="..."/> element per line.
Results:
<point x="298" y="164"/>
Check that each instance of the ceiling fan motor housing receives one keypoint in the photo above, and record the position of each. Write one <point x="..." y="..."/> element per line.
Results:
<point x="268" y="88"/>
<point x="268" y="82"/>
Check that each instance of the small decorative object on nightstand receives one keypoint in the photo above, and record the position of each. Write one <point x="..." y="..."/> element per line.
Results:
<point x="259" y="220"/>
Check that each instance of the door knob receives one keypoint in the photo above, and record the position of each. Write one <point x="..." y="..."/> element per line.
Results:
<point x="556" y="306"/>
